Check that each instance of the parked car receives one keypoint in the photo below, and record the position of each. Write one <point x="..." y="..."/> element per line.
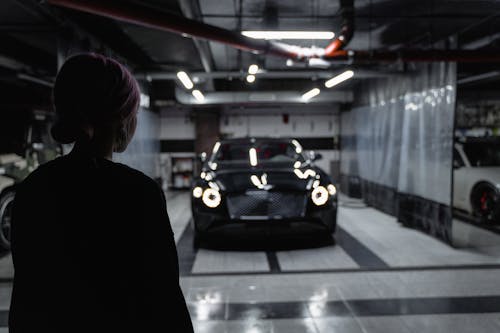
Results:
<point x="476" y="167"/>
<point x="264" y="188"/>
<point x="25" y="143"/>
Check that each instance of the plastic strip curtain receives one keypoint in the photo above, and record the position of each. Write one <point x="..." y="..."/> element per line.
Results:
<point x="427" y="135"/>
<point x="399" y="143"/>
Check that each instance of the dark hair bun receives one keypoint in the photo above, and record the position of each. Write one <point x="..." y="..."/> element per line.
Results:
<point x="63" y="132"/>
<point x="94" y="90"/>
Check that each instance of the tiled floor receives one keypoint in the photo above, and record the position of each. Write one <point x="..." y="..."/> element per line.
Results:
<point x="379" y="277"/>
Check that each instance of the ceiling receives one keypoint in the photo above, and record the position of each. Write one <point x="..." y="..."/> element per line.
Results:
<point x="34" y="34"/>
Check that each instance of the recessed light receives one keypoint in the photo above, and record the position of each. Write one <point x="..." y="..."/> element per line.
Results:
<point x="184" y="78"/>
<point x="198" y="95"/>
<point x="310" y="94"/>
<point x="339" y="78"/>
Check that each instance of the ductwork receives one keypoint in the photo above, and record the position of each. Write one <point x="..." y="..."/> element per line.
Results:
<point x="152" y="18"/>
<point x="347" y="30"/>
<point x="302" y="74"/>
<point x="262" y="97"/>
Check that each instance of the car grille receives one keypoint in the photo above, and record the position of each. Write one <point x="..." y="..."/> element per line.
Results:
<point x="263" y="204"/>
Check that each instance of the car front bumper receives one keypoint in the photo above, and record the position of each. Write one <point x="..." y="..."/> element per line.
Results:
<point x="217" y="225"/>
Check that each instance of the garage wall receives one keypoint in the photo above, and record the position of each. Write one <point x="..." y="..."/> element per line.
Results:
<point x="317" y="128"/>
<point x="318" y="132"/>
<point x="177" y="139"/>
<point x="143" y="151"/>
<point x="402" y="146"/>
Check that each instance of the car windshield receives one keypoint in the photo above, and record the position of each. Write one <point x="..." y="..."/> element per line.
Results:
<point x="483" y="154"/>
<point x="265" y="151"/>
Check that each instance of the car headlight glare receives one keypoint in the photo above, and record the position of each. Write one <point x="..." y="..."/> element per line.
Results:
<point x="197" y="192"/>
<point x="211" y="198"/>
<point x="319" y="196"/>
<point x="331" y="189"/>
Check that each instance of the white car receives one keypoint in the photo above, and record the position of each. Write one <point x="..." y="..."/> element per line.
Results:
<point x="476" y="175"/>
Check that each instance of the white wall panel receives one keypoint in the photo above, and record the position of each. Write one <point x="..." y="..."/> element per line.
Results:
<point x="298" y="126"/>
<point x="176" y="127"/>
<point x="273" y="125"/>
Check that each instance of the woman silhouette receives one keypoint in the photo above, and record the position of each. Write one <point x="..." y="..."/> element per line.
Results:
<point x="92" y="245"/>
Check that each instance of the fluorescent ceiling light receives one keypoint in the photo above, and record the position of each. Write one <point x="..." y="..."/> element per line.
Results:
<point x="198" y="95"/>
<point x="310" y="94"/>
<point x="253" y="69"/>
<point x="184" y="78"/>
<point x="216" y="148"/>
<point x="288" y="34"/>
<point x="339" y="78"/>
<point x="252" y="153"/>
<point x="250" y="78"/>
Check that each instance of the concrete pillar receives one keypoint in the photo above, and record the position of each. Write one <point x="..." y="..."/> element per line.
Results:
<point x="207" y="130"/>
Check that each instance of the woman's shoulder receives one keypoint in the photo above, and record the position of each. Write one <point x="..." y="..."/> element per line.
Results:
<point x="43" y="171"/>
<point x="135" y="176"/>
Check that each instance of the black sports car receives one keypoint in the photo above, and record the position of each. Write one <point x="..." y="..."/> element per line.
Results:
<point x="262" y="187"/>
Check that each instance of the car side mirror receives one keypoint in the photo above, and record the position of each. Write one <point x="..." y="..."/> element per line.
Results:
<point x="202" y="157"/>
<point x="318" y="157"/>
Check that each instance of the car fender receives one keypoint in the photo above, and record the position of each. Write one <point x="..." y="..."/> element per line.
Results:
<point x="5" y="182"/>
<point x="468" y="178"/>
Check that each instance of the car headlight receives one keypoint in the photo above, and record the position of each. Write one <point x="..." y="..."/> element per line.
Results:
<point x="197" y="192"/>
<point x="211" y="198"/>
<point x="319" y="196"/>
<point x="331" y="189"/>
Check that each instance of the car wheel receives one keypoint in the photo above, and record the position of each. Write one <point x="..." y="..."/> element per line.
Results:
<point x="6" y="202"/>
<point x="485" y="200"/>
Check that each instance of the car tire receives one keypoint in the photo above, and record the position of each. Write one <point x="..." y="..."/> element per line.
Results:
<point x="196" y="237"/>
<point x="485" y="201"/>
<point x="196" y="241"/>
<point x="334" y="224"/>
<point x="6" y="201"/>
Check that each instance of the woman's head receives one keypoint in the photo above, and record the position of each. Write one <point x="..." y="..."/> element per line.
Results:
<point x="96" y="99"/>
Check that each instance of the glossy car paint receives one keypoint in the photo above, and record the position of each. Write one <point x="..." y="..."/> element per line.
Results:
<point x="467" y="176"/>
<point x="285" y="186"/>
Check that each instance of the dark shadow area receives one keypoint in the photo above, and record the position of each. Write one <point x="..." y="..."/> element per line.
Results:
<point x="269" y="243"/>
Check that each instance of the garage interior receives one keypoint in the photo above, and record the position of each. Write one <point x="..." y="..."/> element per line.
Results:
<point x="397" y="101"/>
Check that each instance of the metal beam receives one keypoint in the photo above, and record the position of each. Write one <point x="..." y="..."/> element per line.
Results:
<point x="27" y="28"/>
<point x="480" y="77"/>
<point x="27" y="55"/>
<point x="13" y="64"/>
<point x="191" y="10"/>
<point x="58" y="20"/>
<point x="112" y="36"/>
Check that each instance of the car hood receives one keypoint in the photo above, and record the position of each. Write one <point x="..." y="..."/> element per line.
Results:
<point x="489" y="174"/>
<point x="260" y="179"/>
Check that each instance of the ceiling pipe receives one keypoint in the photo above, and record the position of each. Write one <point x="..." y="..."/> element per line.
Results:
<point x="262" y="97"/>
<point x="347" y="30"/>
<point x="153" y="18"/>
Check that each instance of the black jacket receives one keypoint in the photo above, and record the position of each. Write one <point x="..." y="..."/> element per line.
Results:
<point x="93" y="251"/>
